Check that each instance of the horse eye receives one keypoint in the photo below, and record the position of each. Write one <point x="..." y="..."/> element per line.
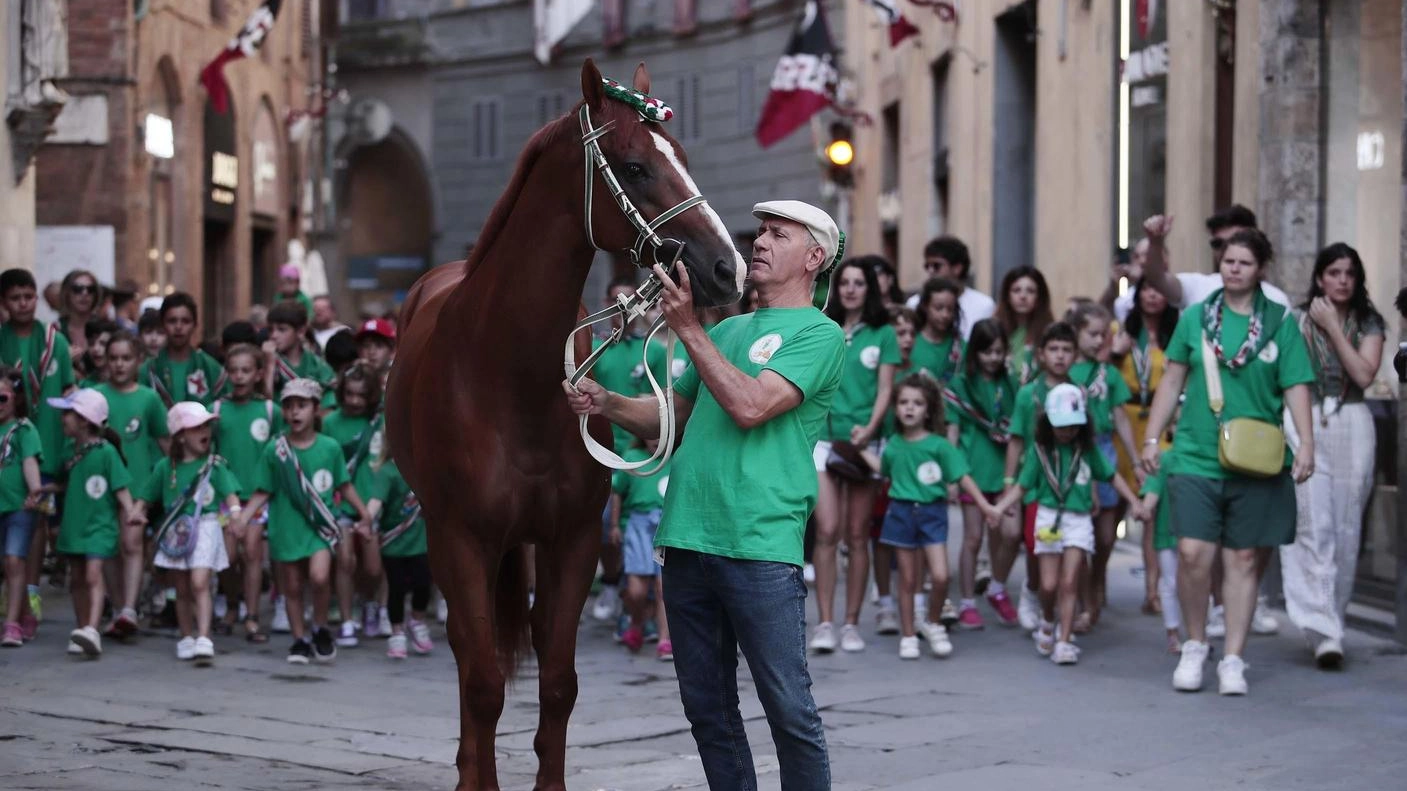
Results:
<point x="634" y="171"/>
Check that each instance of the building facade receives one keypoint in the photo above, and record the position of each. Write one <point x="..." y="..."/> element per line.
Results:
<point x="189" y="198"/>
<point x="33" y="57"/>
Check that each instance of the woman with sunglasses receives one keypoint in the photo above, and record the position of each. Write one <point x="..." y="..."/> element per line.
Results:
<point x="79" y="299"/>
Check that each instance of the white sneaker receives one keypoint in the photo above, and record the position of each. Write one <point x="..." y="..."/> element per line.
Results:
<point x="1328" y="654"/>
<point x="887" y="622"/>
<point x="948" y="616"/>
<point x="1263" y="620"/>
<point x="938" y="641"/>
<point x="221" y="606"/>
<point x="1188" y="675"/>
<point x="185" y="649"/>
<point x="607" y="604"/>
<point x="850" y="639"/>
<point x="1044" y="637"/>
<point x="1216" y="622"/>
<point x="823" y="639"/>
<point x="1065" y="653"/>
<point x="88" y="639"/>
<point x="808" y="573"/>
<point x="383" y="623"/>
<point x="74" y="648"/>
<point x="347" y="637"/>
<point x="1231" y="675"/>
<point x="441" y="612"/>
<point x="1028" y="610"/>
<point x="908" y="647"/>
<point x="280" y="621"/>
<point x="204" y="651"/>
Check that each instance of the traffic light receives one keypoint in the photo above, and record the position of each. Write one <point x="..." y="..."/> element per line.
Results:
<point x="840" y="155"/>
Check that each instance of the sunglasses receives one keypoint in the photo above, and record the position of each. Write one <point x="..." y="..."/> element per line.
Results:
<point x="4" y="398"/>
<point x="1217" y="243"/>
<point x="83" y="289"/>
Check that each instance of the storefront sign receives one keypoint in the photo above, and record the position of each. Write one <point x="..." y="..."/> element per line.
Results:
<point x="221" y="165"/>
<point x="159" y="137"/>
<point x="265" y="170"/>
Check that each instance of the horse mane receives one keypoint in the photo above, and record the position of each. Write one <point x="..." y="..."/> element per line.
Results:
<point x="541" y="141"/>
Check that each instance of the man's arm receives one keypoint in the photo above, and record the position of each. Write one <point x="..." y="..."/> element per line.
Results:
<point x="639" y="415"/>
<point x="1155" y="267"/>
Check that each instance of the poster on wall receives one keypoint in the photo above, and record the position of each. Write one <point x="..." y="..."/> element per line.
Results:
<point x="60" y="249"/>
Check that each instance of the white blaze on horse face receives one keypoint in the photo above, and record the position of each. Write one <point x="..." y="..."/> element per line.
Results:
<point x="668" y="150"/>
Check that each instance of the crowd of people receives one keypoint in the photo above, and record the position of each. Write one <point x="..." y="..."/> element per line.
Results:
<point x="1206" y="407"/>
<point x="178" y="481"/>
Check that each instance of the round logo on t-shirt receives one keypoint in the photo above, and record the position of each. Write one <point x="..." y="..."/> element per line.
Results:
<point x="763" y="348"/>
<point x="1270" y="353"/>
<point x="134" y="427"/>
<point x="206" y="495"/>
<point x="1082" y="478"/>
<point x="676" y="368"/>
<point x="375" y="446"/>
<point x="869" y="357"/>
<point x="929" y="473"/>
<point x="53" y="368"/>
<point x="664" y="485"/>
<point x="259" y="429"/>
<point x="638" y="371"/>
<point x="322" y="480"/>
<point x="95" y="486"/>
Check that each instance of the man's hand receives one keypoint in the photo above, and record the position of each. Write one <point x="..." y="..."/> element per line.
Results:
<point x="587" y="398"/>
<point x="677" y="301"/>
<point x="1157" y="227"/>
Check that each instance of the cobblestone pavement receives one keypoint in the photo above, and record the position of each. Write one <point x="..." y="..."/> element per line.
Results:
<point x="992" y="717"/>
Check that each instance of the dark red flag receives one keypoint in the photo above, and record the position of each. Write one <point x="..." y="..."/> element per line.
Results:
<point x="244" y="44"/>
<point x="804" y="81"/>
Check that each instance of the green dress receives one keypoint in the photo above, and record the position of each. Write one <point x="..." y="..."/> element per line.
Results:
<point x="26" y="353"/>
<point x="91" y="517"/>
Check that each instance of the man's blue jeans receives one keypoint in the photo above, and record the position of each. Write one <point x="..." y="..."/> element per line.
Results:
<point x="717" y="605"/>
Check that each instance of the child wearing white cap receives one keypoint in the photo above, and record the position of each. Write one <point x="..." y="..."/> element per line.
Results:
<point x="1058" y="471"/>
<point x="192" y="485"/>
<point x="95" y="480"/>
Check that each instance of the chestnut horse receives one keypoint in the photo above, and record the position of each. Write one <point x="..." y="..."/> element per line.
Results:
<point x="478" y="424"/>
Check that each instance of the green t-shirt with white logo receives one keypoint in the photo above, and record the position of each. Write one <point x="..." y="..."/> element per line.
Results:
<point x="199" y="377"/>
<point x="866" y="349"/>
<point x="1105" y="391"/>
<point x="164" y="487"/>
<point x="746" y="493"/>
<point x="1255" y="390"/>
<point x="995" y="399"/>
<point x="244" y="429"/>
<point x="1030" y="402"/>
<point x="1079" y="498"/>
<point x="27" y="353"/>
<point x="139" y="418"/>
<point x="398" y="503"/>
<point x="639" y="495"/>
<point x="291" y="535"/>
<point x="91" y="514"/>
<point x="941" y="360"/>
<point x="346" y="429"/>
<point x="23" y="443"/>
<point x="920" y="471"/>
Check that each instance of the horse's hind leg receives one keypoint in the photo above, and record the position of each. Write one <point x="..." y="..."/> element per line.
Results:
<point x="564" y="571"/>
<point x="467" y="579"/>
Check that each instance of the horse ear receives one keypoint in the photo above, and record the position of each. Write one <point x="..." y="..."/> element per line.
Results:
<point x="591" y="89"/>
<point x="642" y="78"/>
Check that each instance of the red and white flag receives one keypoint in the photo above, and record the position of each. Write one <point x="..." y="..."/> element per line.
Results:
<point x="243" y="45"/>
<point x="552" y="21"/>
<point x="804" y="81"/>
<point x="900" y="27"/>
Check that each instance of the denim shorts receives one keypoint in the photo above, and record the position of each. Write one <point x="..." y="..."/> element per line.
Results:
<point x="910" y="525"/>
<point x="638" y="543"/>
<point x="16" y="528"/>
<point x="1104" y="490"/>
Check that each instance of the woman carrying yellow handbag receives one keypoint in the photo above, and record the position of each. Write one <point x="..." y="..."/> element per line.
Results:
<point x="1231" y="478"/>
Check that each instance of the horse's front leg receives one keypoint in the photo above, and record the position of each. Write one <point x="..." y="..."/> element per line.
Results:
<point x="565" y="568"/>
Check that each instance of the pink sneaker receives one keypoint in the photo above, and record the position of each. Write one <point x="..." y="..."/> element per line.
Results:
<point x="664" y="652"/>
<point x="970" y="619"/>
<point x="29" y="626"/>
<point x="633" y="638"/>
<point x="1005" y="612"/>
<point x="395" y="646"/>
<point x="12" y="637"/>
<point x="420" y="637"/>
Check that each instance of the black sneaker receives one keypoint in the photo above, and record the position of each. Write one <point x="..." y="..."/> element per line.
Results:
<point x="300" y="653"/>
<point x="324" y="647"/>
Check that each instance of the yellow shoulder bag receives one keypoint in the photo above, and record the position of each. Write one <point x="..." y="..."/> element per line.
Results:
<point x="1244" y="445"/>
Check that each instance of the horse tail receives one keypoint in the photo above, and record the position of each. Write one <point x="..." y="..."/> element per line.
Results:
<point x="511" y="613"/>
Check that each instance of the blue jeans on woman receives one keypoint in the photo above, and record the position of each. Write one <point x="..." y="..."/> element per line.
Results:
<point x="716" y="606"/>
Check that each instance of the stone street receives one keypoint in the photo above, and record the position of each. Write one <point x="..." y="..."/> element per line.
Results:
<point x="992" y="717"/>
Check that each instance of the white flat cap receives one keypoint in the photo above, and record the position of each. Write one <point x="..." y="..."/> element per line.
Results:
<point x="817" y="221"/>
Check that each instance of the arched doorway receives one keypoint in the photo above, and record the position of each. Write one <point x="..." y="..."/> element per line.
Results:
<point x="387" y="219"/>
<point x="218" y="269"/>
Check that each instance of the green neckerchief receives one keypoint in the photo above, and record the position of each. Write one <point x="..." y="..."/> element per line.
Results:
<point x="998" y="429"/>
<point x="1142" y="369"/>
<point x="1265" y="321"/>
<point x="7" y="441"/>
<point x="301" y="492"/>
<point x="81" y="451"/>
<point x="159" y="376"/>
<point x="410" y="506"/>
<point x="41" y="350"/>
<point x="1060" y="481"/>
<point x="364" y="442"/>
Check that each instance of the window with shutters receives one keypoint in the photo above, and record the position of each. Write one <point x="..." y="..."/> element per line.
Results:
<point x="550" y="106"/>
<point x="688" y="119"/>
<point x="747" y="99"/>
<point x="485" y="118"/>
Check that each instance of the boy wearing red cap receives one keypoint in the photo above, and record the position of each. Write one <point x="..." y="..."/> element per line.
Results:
<point x="376" y="344"/>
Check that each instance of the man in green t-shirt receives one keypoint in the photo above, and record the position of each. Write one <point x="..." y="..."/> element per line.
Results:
<point x="754" y="402"/>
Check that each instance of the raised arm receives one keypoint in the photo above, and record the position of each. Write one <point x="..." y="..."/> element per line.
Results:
<point x="1155" y="267"/>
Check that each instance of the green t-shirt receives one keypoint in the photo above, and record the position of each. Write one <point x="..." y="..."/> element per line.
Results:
<point x="1157" y="484"/>
<point x="746" y="493"/>
<point x="1079" y="499"/>
<point x="291" y="535"/>
<point x="310" y="366"/>
<point x="1105" y="391"/>
<point x="920" y="471"/>
<point x="1030" y="403"/>
<point x="26" y="353"/>
<point x="866" y="349"/>
<point x="242" y="432"/>
<point x="942" y="360"/>
<point x="22" y="444"/>
<point x="639" y="495"/>
<point x="91" y="516"/>
<point x="620" y="371"/>
<point x="199" y="377"/>
<point x="1021" y="359"/>
<point x="164" y="487"/>
<point x="139" y="418"/>
<point x="398" y="502"/>
<point x="346" y="429"/>
<point x="1255" y="390"/>
<point x="995" y="399"/>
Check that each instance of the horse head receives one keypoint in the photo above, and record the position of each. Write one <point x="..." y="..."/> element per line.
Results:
<point x="653" y="171"/>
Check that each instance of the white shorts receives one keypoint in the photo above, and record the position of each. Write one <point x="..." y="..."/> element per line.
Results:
<point x="1076" y="532"/>
<point x="209" y="552"/>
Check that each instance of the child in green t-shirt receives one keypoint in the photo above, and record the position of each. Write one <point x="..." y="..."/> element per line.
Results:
<point x="1056" y="476"/>
<point x="20" y="452"/>
<point x="181" y="370"/>
<point x="357" y="425"/>
<point x="404" y="554"/>
<point x="1155" y="506"/>
<point x="286" y="358"/>
<point x="95" y="481"/>
<point x="193" y="485"/>
<point x="938" y="348"/>
<point x="922" y="468"/>
<point x="636" y="506"/>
